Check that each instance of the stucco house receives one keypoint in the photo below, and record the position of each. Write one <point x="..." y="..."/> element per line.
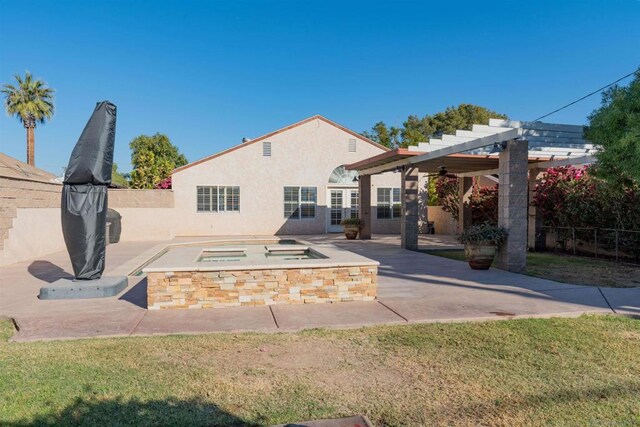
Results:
<point x="290" y="181"/>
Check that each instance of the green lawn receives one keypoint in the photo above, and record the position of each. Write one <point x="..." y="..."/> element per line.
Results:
<point x="582" y="372"/>
<point x="570" y="269"/>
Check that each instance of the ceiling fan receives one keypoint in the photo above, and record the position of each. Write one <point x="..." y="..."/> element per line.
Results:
<point x="441" y="172"/>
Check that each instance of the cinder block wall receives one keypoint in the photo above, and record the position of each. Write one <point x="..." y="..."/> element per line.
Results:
<point x="30" y="217"/>
<point x="24" y="194"/>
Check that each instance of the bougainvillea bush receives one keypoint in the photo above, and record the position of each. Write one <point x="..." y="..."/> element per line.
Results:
<point x="483" y="200"/>
<point x="566" y="196"/>
<point x="571" y="196"/>
<point x="574" y="197"/>
<point x="447" y="194"/>
<point x="165" y="184"/>
<point x="484" y="203"/>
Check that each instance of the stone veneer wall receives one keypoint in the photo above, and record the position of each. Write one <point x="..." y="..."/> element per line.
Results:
<point x="260" y="287"/>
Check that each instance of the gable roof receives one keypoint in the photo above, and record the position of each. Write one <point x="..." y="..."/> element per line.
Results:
<point x="284" y="129"/>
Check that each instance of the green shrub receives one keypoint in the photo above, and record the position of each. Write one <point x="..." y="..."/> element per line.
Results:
<point x="483" y="234"/>
<point x="352" y="221"/>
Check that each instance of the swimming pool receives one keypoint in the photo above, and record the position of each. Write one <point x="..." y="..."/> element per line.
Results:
<point x="228" y="273"/>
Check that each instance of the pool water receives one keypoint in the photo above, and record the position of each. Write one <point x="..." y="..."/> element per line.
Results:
<point x="286" y="250"/>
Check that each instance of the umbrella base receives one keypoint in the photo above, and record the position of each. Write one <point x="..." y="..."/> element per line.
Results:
<point x="106" y="286"/>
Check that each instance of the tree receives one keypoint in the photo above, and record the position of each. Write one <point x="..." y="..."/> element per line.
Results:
<point x="415" y="129"/>
<point x="118" y="178"/>
<point x="615" y="128"/>
<point x="31" y="102"/>
<point x="153" y="158"/>
<point x="383" y="135"/>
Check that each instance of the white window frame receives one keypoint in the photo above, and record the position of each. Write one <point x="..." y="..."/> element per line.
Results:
<point x="221" y="194"/>
<point x="393" y="203"/>
<point x="296" y="214"/>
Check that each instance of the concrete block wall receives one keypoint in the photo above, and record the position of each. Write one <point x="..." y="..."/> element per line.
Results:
<point x="30" y="217"/>
<point x="16" y="194"/>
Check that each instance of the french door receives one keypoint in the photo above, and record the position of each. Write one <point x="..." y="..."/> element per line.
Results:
<point x="342" y="203"/>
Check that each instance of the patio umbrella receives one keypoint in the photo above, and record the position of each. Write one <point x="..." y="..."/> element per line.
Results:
<point x="84" y="194"/>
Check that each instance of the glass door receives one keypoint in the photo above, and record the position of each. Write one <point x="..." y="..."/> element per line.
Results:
<point x="353" y="204"/>
<point x="343" y="203"/>
<point x="336" y="206"/>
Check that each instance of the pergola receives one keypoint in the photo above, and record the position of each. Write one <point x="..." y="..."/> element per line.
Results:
<point x="516" y="151"/>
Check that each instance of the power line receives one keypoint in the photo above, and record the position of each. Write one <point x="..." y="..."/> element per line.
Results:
<point x="588" y="95"/>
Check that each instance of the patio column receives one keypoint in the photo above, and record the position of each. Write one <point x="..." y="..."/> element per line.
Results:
<point x="364" y="211"/>
<point x="464" y="212"/>
<point x="536" y="238"/>
<point x="409" y="208"/>
<point x="512" y="205"/>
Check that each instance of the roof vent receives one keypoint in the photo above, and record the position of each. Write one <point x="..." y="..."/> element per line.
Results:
<point x="245" y="139"/>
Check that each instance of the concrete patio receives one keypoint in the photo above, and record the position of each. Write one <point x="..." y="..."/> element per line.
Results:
<point x="413" y="287"/>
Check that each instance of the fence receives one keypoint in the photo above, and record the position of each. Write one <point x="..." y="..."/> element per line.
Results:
<point x="609" y="243"/>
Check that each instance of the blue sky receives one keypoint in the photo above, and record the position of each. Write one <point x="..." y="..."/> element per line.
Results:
<point x="209" y="73"/>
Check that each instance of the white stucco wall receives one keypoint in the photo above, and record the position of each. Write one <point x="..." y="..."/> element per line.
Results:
<point x="301" y="156"/>
<point x="38" y="231"/>
<point x="442" y="221"/>
<point x="35" y="232"/>
<point x="147" y="223"/>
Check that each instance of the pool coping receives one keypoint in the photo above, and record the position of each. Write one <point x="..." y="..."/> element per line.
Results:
<point x="335" y="257"/>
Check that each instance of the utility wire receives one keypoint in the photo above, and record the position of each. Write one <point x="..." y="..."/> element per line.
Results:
<point x="588" y="95"/>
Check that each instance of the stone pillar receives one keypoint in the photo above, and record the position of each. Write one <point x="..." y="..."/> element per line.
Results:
<point x="364" y="210"/>
<point x="535" y="240"/>
<point x="410" y="208"/>
<point x="512" y="205"/>
<point x="464" y="193"/>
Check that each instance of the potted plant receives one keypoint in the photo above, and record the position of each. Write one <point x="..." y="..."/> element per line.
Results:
<point x="351" y="227"/>
<point x="480" y="244"/>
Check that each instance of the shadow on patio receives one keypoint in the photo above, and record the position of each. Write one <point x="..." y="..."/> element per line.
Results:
<point x="47" y="271"/>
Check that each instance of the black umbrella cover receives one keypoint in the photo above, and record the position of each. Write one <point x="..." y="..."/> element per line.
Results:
<point x="84" y="195"/>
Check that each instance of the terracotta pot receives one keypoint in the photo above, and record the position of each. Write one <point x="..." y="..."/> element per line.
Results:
<point x="351" y="231"/>
<point x="480" y="257"/>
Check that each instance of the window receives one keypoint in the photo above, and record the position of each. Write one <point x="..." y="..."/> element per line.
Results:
<point x="218" y="199"/>
<point x="388" y="203"/>
<point x="300" y="202"/>
<point x="354" y="203"/>
<point x="266" y="149"/>
<point x="352" y="145"/>
<point x="341" y="175"/>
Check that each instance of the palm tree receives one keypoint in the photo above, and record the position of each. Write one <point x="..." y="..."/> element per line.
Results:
<point x="31" y="102"/>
